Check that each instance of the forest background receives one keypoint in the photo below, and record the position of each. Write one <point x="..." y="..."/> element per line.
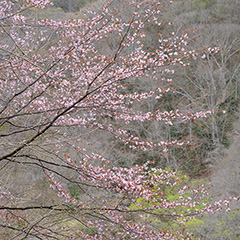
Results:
<point x="211" y="82"/>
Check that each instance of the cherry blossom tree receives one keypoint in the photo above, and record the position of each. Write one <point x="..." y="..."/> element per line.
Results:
<point x="61" y="83"/>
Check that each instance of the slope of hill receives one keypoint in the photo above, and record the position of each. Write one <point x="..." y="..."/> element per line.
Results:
<point x="225" y="175"/>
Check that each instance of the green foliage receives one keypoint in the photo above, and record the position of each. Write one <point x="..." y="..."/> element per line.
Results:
<point x="74" y="191"/>
<point x="226" y="226"/>
<point x="163" y="218"/>
<point x="223" y="225"/>
<point x="192" y="225"/>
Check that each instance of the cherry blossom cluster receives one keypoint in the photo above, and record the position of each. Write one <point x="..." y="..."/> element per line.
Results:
<point x="5" y="194"/>
<point x="148" y="184"/>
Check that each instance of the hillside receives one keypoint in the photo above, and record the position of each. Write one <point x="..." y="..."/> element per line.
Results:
<point x="225" y="175"/>
<point x="115" y="117"/>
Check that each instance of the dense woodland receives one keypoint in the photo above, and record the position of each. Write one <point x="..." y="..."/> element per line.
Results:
<point x="114" y="116"/>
